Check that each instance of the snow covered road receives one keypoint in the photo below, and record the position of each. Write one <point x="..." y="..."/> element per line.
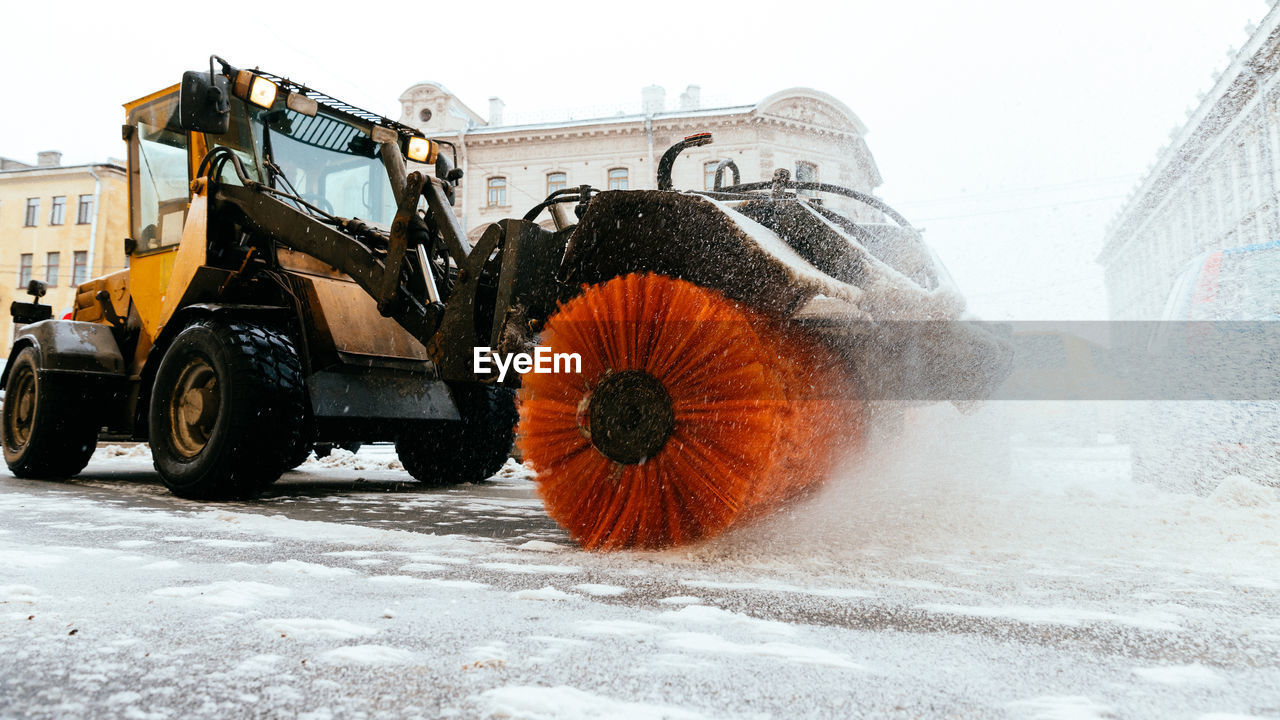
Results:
<point x="1064" y="592"/>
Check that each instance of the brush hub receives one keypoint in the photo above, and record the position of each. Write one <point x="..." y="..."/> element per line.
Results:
<point x="630" y="416"/>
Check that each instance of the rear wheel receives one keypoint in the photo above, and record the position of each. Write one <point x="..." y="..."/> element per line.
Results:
<point x="50" y="430"/>
<point x="227" y="409"/>
<point x="469" y="450"/>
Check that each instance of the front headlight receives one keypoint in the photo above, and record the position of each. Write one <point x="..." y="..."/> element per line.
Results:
<point x="423" y="150"/>
<point x="263" y="92"/>
<point x="255" y="88"/>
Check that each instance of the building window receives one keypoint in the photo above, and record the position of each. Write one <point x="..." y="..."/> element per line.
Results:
<point x="58" y="213"/>
<point x="24" y="270"/>
<point x="806" y="172"/>
<point x="84" y="213"/>
<point x="79" y="267"/>
<point x="52" y="261"/>
<point x="618" y="179"/>
<point x="497" y="192"/>
<point x="33" y="211"/>
<point x="556" y="181"/>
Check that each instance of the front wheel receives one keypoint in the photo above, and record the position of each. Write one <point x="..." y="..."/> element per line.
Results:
<point x="49" y="429"/>
<point x="468" y="450"/>
<point x="227" y="409"/>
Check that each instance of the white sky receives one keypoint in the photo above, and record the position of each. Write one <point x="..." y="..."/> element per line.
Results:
<point x="1010" y="130"/>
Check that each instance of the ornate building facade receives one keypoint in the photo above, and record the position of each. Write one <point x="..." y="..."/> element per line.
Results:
<point x="1213" y="187"/>
<point x="509" y="168"/>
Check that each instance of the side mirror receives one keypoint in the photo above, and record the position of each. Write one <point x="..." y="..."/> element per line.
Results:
<point x="36" y="289"/>
<point x="204" y="102"/>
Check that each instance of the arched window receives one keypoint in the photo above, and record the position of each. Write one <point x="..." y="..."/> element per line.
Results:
<point x="618" y="179"/>
<point x="556" y="181"/>
<point x="497" y="192"/>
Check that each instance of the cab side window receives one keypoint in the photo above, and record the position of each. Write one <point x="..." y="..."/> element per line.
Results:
<point x="160" y="183"/>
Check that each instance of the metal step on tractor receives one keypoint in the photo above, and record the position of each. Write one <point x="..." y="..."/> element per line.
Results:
<point x="297" y="275"/>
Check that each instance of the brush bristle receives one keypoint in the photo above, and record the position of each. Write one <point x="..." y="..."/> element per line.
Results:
<point x="757" y="418"/>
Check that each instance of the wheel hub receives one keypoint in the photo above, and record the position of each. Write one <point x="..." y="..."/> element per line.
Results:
<point x="20" y="418"/>
<point x="194" y="407"/>
<point x="629" y="416"/>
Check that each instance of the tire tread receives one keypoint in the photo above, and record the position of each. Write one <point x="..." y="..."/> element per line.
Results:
<point x="469" y="450"/>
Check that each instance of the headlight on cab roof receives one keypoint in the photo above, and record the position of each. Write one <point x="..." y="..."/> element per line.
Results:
<point x="423" y="150"/>
<point x="255" y="88"/>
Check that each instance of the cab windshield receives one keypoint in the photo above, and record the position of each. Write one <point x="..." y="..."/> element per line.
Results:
<point x="326" y="160"/>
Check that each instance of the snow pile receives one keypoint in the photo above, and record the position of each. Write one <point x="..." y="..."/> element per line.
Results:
<point x="18" y="594"/>
<point x="1195" y="674"/>
<point x="1240" y="491"/>
<point x="309" y="629"/>
<point x="138" y="450"/>
<point x="543" y="546"/>
<point x="546" y="593"/>
<point x="367" y="655"/>
<point x="601" y="590"/>
<point x="347" y="460"/>
<point x="226" y="593"/>
<point x="514" y="470"/>
<point x="788" y="652"/>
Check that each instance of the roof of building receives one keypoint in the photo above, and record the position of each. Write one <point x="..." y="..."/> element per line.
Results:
<point x="472" y="115"/>
<point x="432" y="83"/>
<point x="55" y="168"/>
<point x="826" y="111"/>
<point x="618" y="119"/>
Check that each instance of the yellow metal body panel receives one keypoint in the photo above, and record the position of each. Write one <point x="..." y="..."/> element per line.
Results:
<point x="304" y="263"/>
<point x="199" y="147"/>
<point x="87" y="307"/>
<point x="355" y="324"/>
<point x="150" y="279"/>
<point x="190" y="256"/>
<point x="129" y="106"/>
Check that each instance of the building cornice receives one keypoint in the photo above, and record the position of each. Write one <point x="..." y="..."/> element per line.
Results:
<point x="597" y="129"/>
<point x="61" y="170"/>
<point x="802" y="109"/>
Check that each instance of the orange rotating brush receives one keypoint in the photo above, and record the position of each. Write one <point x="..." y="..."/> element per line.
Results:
<point x="690" y="413"/>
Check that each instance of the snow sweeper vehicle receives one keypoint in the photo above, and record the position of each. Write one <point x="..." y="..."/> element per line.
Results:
<point x="294" y="280"/>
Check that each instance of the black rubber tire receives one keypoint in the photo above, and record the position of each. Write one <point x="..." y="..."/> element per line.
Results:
<point x="256" y="428"/>
<point x="49" y="428"/>
<point x="297" y="457"/>
<point x="469" y="450"/>
<point x="302" y="448"/>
